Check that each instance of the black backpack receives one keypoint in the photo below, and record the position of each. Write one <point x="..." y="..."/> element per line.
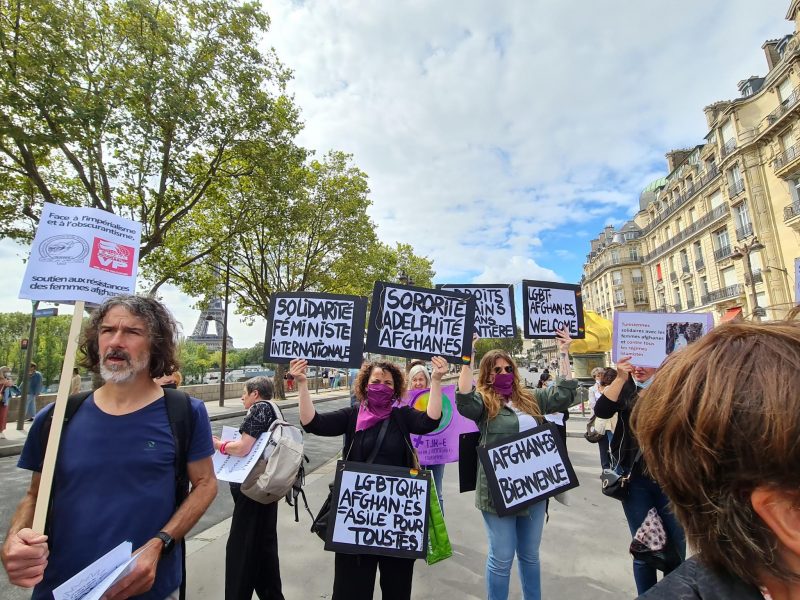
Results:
<point x="179" y="414"/>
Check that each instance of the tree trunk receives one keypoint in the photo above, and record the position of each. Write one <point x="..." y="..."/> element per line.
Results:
<point x="280" y="392"/>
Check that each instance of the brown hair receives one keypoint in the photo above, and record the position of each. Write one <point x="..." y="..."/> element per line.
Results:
<point x="719" y="420"/>
<point x="609" y="375"/>
<point x="522" y="398"/>
<point x="162" y="331"/>
<point x="362" y="379"/>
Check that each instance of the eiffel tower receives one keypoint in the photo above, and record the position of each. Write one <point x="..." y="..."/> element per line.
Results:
<point x="216" y="313"/>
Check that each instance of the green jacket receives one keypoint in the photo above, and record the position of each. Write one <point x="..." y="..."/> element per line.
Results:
<point x="557" y="398"/>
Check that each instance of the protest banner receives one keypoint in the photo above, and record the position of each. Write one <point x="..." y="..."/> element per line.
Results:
<point x="550" y="306"/>
<point x="420" y="323"/>
<point x="494" y="308"/>
<point x="235" y="469"/>
<point x="525" y="468"/>
<point x="648" y="338"/>
<point x="797" y="280"/>
<point x="325" y="329"/>
<point x="81" y="254"/>
<point x="379" y="510"/>
<point x="78" y="255"/>
<point x="441" y="445"/>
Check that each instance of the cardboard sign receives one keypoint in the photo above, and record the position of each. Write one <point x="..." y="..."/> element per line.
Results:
<point x="379" y="510"/>
<point x="494" y="308"/>
<point x="526" y="468"/>
<point x="420" y="323"/>
<point x="81" y="254"/>
<point x="648" y="338"/>
<point x="797" y="280"/>
<point x="324" y="329"/>
<point x="549" y="307"/>
<point x="441" y="445"/>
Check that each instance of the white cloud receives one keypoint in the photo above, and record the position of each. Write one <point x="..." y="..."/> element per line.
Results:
<point x="514" y="271"/>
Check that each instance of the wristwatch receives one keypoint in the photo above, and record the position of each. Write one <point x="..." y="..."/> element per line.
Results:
<point x="169" y="542"/>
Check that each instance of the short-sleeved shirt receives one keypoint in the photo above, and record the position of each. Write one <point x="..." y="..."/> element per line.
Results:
<point x="114" y="482"/>
<point x="258" y="419"/>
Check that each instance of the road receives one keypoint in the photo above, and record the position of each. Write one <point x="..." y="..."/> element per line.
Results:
<point x="15" y="481"/>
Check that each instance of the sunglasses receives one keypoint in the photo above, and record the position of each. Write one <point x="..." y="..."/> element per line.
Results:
<point x="507" y="369"/>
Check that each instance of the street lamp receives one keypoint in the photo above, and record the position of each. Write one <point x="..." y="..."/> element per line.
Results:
<point x="744" y="251"/>
<point x="404" y="278"/>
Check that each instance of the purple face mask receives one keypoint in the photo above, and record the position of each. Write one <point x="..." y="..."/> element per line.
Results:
<point x="504" y="383"/>
<point x="377" y="407"/>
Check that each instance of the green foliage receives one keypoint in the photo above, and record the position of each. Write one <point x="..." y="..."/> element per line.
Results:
<point x="511" y="345"/>
<point x="13" y="327"/>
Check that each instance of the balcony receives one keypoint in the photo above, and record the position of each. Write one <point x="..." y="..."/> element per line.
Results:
<point x="685" y="270"/>
<point x="736" y="188"/>
<point x="673" y="276"/>
<point x="728" y="148"/>
<point x="707" y="219"/>
<point x="732" y="291"/>
<point x="744" y="231"/>
<point x="607" y="263"/>
<point x="699" y="264"/>
<point x="689" y="304"/>
<point x="722" y="253"/>
<point x="637" y="279"/>
<point x="791" y="211"/>
<point x="677" y="307"/>
<point x="777" y="114"/>
<point x="705" y="178"/>
<point x="639" y="301"/>
<point x="786" y="160"/>
<point x="619" y="302"/>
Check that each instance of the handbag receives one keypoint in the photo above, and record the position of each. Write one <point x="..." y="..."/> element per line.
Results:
<point x="652" y="545"/>
<point x="592" y="434"/>
<point x="468" y="461"/>
<point x="615" y="485"/>
<point x="439" y="547"/>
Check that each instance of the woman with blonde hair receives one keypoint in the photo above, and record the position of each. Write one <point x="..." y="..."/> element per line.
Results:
<point x="502" y="407"/>
<point x="725" y="450"/>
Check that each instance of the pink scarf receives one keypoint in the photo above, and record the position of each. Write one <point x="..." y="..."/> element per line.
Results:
<point x="377" y="407"/>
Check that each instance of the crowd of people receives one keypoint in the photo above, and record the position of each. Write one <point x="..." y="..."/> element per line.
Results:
<point x="703" y="454"/>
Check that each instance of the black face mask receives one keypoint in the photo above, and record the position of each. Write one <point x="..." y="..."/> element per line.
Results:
<point x="172" y="386"/>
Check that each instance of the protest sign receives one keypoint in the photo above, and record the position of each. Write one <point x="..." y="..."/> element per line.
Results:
<point x="549" y="306"/>
<point x="379" y="510"/>
<point x="420" y="323"/>
<point x="441" y="445"/>
<point x="236" y="468"/>
<point x="525" y="468"/>
<point x="81" y="254"/>
<point x="797" y="280"/>
<point x="494" y="308"/>
<point x="648" y="338"/>
<point x="325" y="329"/>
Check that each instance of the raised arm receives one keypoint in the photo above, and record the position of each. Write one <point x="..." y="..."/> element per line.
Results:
<point x="624" y="369"/>
<point x="440" y="367"/>
<point x="465" y="377"/>
<point x="297" y="368"/>
<point x="563" y="340"/>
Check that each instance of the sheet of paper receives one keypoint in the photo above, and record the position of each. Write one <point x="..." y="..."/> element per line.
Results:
<point x="85" y="582"/>
<point x="113" y="577"/>
<point x="236" y="468"/>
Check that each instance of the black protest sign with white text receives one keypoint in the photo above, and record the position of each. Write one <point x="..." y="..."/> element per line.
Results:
<point x="526" y="468"/>
<point x="324" y="329"/>
<point x="419" y="323"/>
<point x="379" y="510"/>
<point x="494" y="308"/>
<point x="549" y="306"/>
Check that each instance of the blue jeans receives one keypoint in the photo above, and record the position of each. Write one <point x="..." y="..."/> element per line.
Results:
<point x="510" y="535"/>
<point x="30" y="407"/>
<point x="645" y="494"/>
<point x="438" y="472"/>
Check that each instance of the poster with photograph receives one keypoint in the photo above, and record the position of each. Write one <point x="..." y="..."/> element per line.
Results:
<point x="419" y="322"/>
<point x="379" y="510"/>
<point x="325" y="329"/>
<point x="648" y="338"/>
<point x="494" y="308"/>
<point x="548" y="307"/>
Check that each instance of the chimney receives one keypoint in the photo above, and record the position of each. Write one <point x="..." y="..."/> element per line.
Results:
<point x="771" y="52"/>
<point x="676" y="157"/>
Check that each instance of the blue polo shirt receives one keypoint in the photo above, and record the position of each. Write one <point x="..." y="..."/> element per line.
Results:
<point x="114" y="481"/>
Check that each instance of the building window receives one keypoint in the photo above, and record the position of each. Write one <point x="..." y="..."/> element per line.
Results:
<point x="704" y="285"/>
<point x="794" y="190"/>
<point x="677" y="297"/>
<point x="684" y="261"/>
<point x="634" y="252"/>
<point x="659" y="275"/>
<point x="692" y="215"/>
<point x="639" y="296"/>
<point x="785" y="89"/>
<point x="689" y="295"/>
<point x="616" y="277"/>
<point x="721" y="239"/>
<point x="619" y="297"/>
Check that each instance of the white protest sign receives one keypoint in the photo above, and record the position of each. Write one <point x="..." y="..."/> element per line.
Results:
<point x="526" y="468"/>
<point x="81" y="254"/>
<point x="494" y="308"/>
<point x="379" y="510"/>
<point x="94" y="580"/>
<point x="420" y="323"/>
<point x="797" y="280"/>
<point x="324" y="329"/>
<point x="548" y="307"/>
<point x="236" y="468"/>
<point x="648" y="338"/>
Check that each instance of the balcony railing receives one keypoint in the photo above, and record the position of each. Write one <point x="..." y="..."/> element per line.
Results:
<point x="699" y="264"/>
<point x="705" y="178"/>
<point x="722" y="253"/>
<point x="611" y="262"/>
<point x="736" y="188"/>
<point x="673" y="276"/>
<point x="637" y="279"/>
<point x="689" y="304"/>
<point x="640" y="300"/>
<point x="791" y="211"/>
<point x="677" y="306"/>
<point x="620" y="302"/>
<point x="784" y="108"/>
<point x="685" y="269"/>
<point x="744" y="231"/>
<point x="787" y="156"/>
<point x="701" y="223"/>
<point x="729" y="147"/>
<point x="732" y="291"/>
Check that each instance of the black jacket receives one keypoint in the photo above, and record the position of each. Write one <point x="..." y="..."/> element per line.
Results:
<point x="624" y="447"/>
<point x="694" y="581"/>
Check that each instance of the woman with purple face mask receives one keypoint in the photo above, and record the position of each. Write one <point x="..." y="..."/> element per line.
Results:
<point x="378" y="386"/>
<point x="501" y="407"/>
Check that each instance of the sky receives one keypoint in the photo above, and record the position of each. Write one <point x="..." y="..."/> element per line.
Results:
<point x="500" y="138"/>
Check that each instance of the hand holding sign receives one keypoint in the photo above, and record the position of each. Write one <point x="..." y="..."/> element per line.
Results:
<point x="624" y="368"/>
<point x="563" y="340"/>
<point x="297" y="369"/>
<point x="440" y="368"/>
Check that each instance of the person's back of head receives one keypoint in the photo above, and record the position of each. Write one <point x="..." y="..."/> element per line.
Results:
<point x="719" y="429"/>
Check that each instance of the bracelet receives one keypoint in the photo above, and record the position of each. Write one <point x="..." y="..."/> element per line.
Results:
<point x="222" y="447"/>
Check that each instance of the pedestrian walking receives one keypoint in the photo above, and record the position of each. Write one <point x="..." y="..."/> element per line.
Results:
<point x="35" y="383"/>
<point x="251" y="557"/>
<point x="502" y="407"/>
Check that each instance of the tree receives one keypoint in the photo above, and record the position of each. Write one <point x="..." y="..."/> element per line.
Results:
<point x="51" y="346"/>
<point x="13" y="328"/>
<point x="511" y="345"/>
<point x="137" y="107"/>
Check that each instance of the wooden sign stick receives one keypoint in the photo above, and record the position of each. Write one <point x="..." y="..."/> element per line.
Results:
<point x="49" y="466"/>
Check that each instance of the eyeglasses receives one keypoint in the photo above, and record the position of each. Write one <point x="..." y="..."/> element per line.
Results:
<point x="507" y="369"/>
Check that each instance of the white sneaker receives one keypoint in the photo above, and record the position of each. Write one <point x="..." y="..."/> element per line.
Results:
<point x="2" y="435"/>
